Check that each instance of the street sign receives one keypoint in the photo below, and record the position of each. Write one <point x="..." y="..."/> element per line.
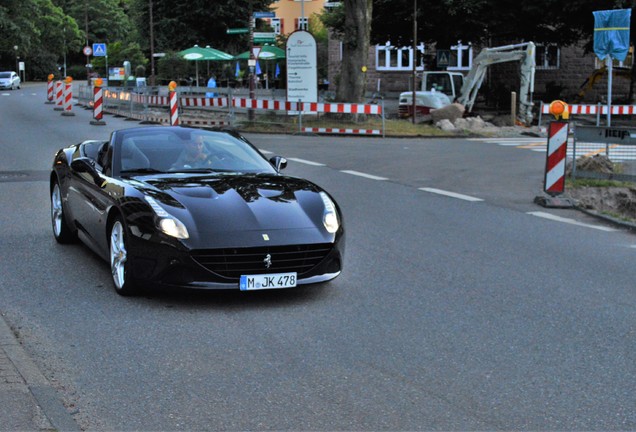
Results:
<point x="302" y="67"/>
<point x="264" y="37"/>
<point x="87" y="51"/>
<point x="443" y="58"/>
<point x="99" y="49"/>
<point x="264" y="14"/>
<point x="256" y="50"/>
<point x="237" y="31"/>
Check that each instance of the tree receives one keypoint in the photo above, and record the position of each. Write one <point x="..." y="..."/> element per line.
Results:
<point x="351" y="22"/>
<point x="41" y="31"/>
<point x="181" y="25"/>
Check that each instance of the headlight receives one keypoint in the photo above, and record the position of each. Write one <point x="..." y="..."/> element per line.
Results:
<point x="330" y="216"/>
<point x="167" y="223"/>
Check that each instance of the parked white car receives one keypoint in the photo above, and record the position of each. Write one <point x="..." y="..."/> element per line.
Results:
<point x="9" y="80"/>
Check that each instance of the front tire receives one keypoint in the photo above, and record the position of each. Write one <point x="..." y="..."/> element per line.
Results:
<point x="119" y="265"/>
<point x="61" y="231"/>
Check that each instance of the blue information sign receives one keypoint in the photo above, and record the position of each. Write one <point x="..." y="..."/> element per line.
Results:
<point x="264" y="14"/>
<point x="99" y="50"/>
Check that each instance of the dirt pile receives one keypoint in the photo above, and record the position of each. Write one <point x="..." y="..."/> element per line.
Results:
<point x="617" y="202"/>
<point x="614" y="201"/>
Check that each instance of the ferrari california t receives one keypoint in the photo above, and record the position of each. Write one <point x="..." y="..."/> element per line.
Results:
<point x="185" y="207"/>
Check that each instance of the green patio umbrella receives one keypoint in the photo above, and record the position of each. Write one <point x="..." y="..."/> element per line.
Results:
<point x="268" y="52"/>
<point x="196" y="53"/>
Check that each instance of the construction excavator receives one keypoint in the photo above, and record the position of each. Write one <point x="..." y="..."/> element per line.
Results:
<point x="441" y="88"/>
<point x="597" y="75"/>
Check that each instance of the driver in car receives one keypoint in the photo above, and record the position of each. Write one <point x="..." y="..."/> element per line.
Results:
<point x="194" y="155"/>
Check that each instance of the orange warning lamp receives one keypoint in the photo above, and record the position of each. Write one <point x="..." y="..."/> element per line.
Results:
<point x="172" y="86"/>
<point x="50" y="77"/>
<point x="559" y="109"/>
<point x="98" y="82"/>
<point x="68" y="80"/>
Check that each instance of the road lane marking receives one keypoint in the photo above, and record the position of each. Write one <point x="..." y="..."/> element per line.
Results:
<point x="360" y="174"/>
<point x="451" y="194"/>
<point x="306" y="162"/>
<point x="570" y="221"/>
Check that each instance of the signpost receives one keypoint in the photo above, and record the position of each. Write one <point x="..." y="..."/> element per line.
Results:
<point x="302" y="67"/>
<point x="264" y="14"/>
<point x="611" y="41"/>
<point x="264" y="37"/>
<point x="238" y="31"/>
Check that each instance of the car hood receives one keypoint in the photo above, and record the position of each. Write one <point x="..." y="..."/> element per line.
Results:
<point x="231" y="205"/>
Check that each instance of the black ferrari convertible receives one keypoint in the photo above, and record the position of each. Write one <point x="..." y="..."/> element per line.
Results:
<point x="185" y="207"/>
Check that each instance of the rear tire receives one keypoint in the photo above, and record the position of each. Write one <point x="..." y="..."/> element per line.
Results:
<point x="61" y="231"/>
<point x="119" y="265"/>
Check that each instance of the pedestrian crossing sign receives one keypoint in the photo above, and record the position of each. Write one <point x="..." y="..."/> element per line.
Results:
<point x="99" y="50"/>
<point x="443" y="58"/>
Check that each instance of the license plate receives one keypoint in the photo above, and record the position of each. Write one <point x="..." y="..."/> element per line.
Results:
<point x="268" y="281"/>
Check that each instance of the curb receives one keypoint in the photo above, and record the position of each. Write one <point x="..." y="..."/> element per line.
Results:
<point x="614" y="221"/>
<point x="38" y="386"/>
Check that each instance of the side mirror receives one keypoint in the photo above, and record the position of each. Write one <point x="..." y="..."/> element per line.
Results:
<point x="279" y="162"/>
<point x="86" y="165"/>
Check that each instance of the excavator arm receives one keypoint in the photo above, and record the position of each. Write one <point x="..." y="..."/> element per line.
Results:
<point x="525" y="53"/>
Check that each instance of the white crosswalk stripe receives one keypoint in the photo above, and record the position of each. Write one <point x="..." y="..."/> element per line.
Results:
<point x="618" y="153"/>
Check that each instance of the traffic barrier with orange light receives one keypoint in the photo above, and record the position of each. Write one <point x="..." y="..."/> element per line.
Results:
<point x="598" y="110"/>
<point x="49" y="89"/>
<point x="174" y="104"/>
<point x="98" y="104"/>
<point x="68" y="97"/>
<point x="554" y="183"/>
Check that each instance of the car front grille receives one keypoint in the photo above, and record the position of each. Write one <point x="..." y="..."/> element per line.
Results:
<point x="234" y="262"/>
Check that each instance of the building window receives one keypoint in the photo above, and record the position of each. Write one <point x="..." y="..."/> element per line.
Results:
<point x="392" y="58"/>
<point x="302" y="23"/>
<point x="548" y="56"/>
<point x="276" y="25"/>
<point x="461" y="57"/>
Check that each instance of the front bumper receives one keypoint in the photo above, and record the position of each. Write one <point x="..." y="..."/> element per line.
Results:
<point x="163" y="265"/>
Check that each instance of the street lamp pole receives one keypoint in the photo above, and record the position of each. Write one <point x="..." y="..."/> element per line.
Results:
<point x="152" y="45"/>
<point x="251" y="63"/>
<point x="414" y="56"/>
<point x="17" y="59"/>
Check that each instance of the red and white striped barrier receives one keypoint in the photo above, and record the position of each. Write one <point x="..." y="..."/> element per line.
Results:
<point x="273" y="105"/>
<point x="68" y="98"/>
<point x="174" y="109"/>
<point x="98" y="106"/>
<point x="49" y="92"/>
<point x="555" y="157"/>
<point x="340" y="108"/>
<point x="594" y="109"/>
<point x="59" y="96"/>
<point x="342" y="131"/>
<point x="203" y="102"/>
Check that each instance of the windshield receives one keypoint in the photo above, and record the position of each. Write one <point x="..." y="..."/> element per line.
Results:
<point x="173" y="150"/>
<point x="5" y="75"/>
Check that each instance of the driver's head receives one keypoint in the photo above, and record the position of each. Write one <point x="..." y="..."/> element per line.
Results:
<point x="195" y="145"/>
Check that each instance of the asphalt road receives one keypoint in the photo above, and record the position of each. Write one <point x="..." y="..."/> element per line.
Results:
<point x="451" y="313"/>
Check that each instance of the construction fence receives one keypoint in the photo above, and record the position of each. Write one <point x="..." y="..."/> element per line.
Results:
<point x="234" y="108"/>
<point x="593" y="113"/>
<point x="603" y="153"/>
